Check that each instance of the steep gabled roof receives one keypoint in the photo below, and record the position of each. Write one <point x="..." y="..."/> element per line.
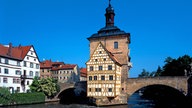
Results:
<point x="108" y="52"/>
<point x="18" y="53"/>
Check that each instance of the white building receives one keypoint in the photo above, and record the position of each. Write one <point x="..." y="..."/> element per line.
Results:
<point x="69" y="73"/>
<point x="18" y="66"/>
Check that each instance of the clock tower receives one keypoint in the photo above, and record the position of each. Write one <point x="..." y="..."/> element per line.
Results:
<point x="109" y="63"/>
<point x="115" y="40"/>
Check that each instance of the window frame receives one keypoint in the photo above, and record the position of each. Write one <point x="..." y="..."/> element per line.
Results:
<point x="91" y="68"/>
<point x="100" y="68"/>
<point x="5" y="80"/>
<point x="103" y="77"/>
<point x="110" y="90"/>
<point x="110" y="77"/>
<point x="6" y="61"/>
<point x="30" y="73"/>
<point x="6" y="71"/>
<point x="95" y="78"/>
<point x="90" y="78"/>
<point x="110" y="67"/>
<point x="116" y="45"/>
<point x="31" y="65"/>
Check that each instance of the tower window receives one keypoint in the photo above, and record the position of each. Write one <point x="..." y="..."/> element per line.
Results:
<point x="109" y="67"/>
<point x="102" y="77"/>
<point x="91" y="68"/>
<point x="115" y="45"/>
<point x="100" y="67"/>
<point x="97" y="89"/>
<point x="110" y="77"/>
<point x="109" y="89"/>
<point x="90" y="78"/>
<point x="95" y="77"/>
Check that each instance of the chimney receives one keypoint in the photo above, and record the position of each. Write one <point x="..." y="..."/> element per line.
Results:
<point x="9" y="50"/>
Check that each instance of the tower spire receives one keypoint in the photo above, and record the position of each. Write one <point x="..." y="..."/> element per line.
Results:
<point x="109" y="2"/>
<point x="109" y="15"/>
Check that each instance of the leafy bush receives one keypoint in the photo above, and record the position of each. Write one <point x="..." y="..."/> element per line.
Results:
<point x="28" y="98"/>
<point x="5" y="96"/>
<point x="48" y="86"/>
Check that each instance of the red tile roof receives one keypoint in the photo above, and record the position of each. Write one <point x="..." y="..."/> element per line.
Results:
<point x="46" y="64"/>
<point x="83" y="72"/>
<point x="50" y="64"/>
<point x="14" y="52"/>
<point x="63" y="67"/>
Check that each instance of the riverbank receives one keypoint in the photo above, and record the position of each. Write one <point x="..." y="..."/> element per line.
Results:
<point x="52" y="100"/>
<point x="21" y="98"/>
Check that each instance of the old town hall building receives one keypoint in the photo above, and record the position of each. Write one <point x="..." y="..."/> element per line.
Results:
<point x="109" y="63"/>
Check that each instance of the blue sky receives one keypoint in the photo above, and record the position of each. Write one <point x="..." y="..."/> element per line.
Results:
<point x="59" y="29"/>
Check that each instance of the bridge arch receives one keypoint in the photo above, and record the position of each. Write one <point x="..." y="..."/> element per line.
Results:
<point x="78" y="87"/>
<point x="179" y="83"/>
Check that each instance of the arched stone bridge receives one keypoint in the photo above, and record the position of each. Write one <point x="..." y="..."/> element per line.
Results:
<point x="81" y="86"/>
<point x="180" y="83"/>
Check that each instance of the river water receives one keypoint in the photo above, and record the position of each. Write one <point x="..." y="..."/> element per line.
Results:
<point x="135" y="101"/>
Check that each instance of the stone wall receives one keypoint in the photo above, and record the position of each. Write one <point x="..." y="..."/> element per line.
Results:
<point x="179" y="83"/>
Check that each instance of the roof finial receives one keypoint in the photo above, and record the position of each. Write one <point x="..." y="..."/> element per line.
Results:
<point x="109" y="2"/>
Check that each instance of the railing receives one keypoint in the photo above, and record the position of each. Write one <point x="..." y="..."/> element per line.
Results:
<point x="26" y="77"/>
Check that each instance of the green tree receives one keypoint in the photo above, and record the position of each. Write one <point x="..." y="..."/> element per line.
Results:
<point x="35" y="86"/>
<point x="5" y="96"/>
<point x="144" y="73"/>
<point x="48" y="86"/>
<point x="158" y="72"/>
<point x="177" y="67"/>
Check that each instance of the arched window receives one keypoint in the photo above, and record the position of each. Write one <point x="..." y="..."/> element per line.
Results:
<point x="115" y="45"/>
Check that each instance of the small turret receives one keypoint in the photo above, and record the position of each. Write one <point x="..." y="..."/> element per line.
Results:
<point x="109" y="15"/>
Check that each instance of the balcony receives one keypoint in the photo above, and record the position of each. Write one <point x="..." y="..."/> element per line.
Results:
<point x="26" y="77"/>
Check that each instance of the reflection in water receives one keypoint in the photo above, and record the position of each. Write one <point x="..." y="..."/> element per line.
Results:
<point x="134" y="102"/>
